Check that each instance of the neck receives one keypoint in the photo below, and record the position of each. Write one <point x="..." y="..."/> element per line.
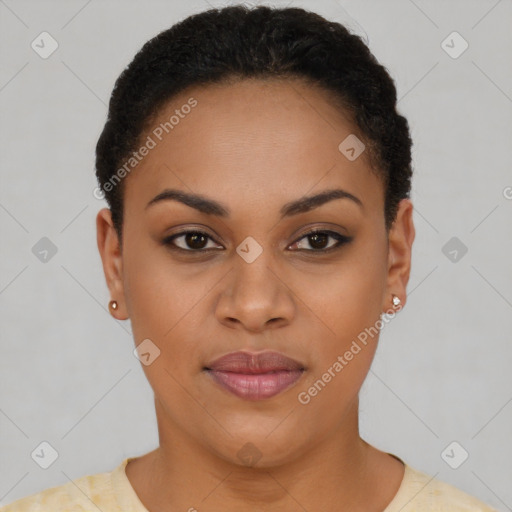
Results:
<point x="185" y="475"/>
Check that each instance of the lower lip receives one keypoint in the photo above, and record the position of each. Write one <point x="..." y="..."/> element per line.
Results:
<point x="257" y="386"/>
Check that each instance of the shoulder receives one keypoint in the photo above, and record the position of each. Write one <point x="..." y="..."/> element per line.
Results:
<point x="420" y="492"/>
<point x="79" y="495"/>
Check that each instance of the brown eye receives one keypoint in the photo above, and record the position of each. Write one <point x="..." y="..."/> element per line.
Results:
<point x="193" y="241"/>
<point x="318" y="241"/>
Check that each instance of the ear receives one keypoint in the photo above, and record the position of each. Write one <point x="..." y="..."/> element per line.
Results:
<point x="401" y="237"/>
<point x="110" y="252"/>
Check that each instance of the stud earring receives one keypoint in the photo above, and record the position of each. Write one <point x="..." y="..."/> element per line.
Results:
<point x="396" y="301"/>
<point x="112" y="305"/>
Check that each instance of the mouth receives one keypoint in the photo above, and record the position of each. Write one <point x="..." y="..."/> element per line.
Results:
<point x="255" y="376"/>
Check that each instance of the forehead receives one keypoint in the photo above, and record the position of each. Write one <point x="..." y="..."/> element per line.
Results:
<point x="251" y="140"/>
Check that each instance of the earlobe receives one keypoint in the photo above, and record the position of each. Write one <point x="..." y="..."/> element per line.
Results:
<point x="401" y="238"/>
<point x="110" y="252"/>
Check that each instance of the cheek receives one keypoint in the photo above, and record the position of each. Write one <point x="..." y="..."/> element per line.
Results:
<point x="347" y="304"/>
<point x="155" y="297"/>
<point x="347" y="298"/>
<point x="163" y="303"/>
<point x="161" y="306"/>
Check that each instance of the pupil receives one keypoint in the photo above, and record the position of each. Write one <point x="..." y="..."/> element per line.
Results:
<point x="315" y="238"/>
<point x="192" y="240"/>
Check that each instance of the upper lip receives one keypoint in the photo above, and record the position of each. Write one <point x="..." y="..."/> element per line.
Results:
<point x="254" y="363"/>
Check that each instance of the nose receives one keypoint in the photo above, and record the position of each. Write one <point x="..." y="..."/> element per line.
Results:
<point x="255" y="297"/>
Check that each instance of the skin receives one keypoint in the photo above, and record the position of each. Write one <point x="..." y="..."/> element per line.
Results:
<point x="254" y="146"/>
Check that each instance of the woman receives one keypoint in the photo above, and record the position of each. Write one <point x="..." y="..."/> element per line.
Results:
<point x="259" y="236"/>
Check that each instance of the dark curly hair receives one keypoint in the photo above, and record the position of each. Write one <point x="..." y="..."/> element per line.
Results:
<point x="237" y="42"/>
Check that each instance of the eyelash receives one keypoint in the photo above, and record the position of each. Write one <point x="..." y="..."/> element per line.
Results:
<point x="341" y="240"/>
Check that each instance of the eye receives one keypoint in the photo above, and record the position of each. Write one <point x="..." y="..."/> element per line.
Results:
<point x="197" y="241"/>
<point x="193" y="241"/>
<point x="318" y="240"/>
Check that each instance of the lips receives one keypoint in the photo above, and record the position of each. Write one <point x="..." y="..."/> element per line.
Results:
<point x="245" y="362"/>
<point x="255" y="376"/>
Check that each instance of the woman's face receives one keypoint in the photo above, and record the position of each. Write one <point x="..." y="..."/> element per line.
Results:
<point x="254" y="282"/>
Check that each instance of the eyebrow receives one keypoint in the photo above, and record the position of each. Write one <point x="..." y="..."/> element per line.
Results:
<point x="212" y="207"/>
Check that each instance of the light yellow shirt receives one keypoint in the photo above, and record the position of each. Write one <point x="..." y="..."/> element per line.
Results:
<point x="112" y="492"/>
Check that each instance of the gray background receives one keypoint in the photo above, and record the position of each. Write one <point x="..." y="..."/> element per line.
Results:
<point x="442" y="371"/>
